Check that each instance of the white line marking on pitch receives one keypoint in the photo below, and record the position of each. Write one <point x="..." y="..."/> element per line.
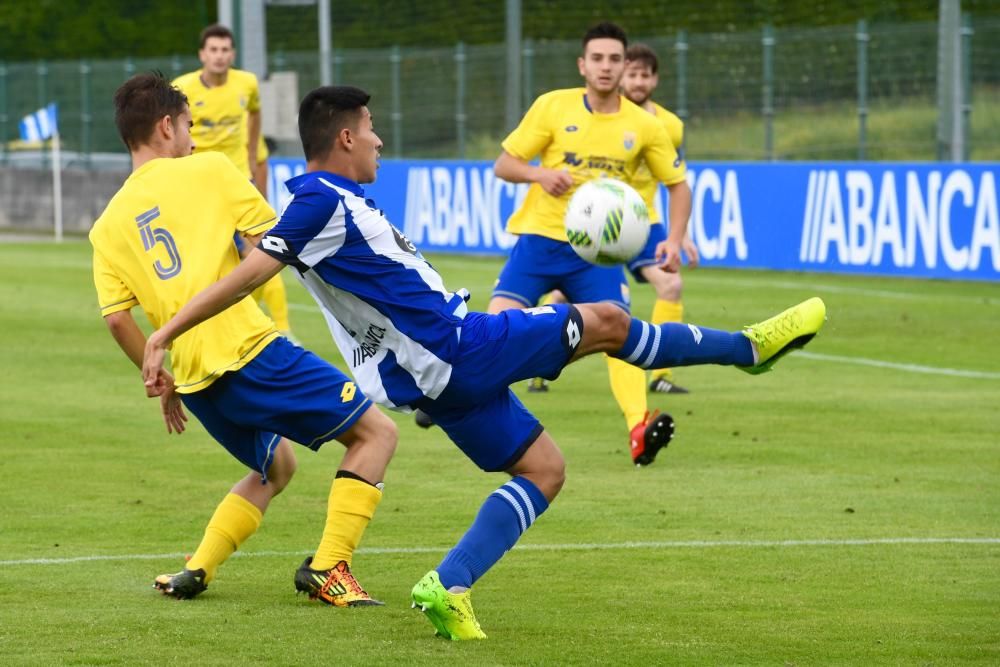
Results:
<point x="686" y="544"/>
<point x="909" y="368"/>
<point x="845" y="289"/>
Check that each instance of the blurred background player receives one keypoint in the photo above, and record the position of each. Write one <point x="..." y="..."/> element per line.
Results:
<point x="581" y="134"/>
<point x="166" y="234"/>
<point x="225" y="108"/>
<point x="638" y="83"/>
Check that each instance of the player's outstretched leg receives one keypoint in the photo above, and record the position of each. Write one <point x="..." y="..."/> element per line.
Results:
<point x="754" y="350"/>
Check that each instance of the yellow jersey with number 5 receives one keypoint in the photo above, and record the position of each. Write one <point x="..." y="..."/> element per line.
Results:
<point x="562" y="129"/>
<point x="643" y="182"/>
<point x="219" y="113"/>
<point x="168" y="234"/>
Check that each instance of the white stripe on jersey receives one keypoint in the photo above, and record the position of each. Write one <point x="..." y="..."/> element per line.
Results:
<point x="374" y="335"/>
<point x="363" y="327"/>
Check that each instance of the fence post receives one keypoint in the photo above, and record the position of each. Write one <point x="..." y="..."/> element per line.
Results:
<point x="767" y="108"/>
<point x="967" y="32"/>
<point x="396" y="116"/>
<point x="460" y="97"/>
<point x="862" y="39"/>
<point x="527" y="76"/>
<point x="175" y="66"/>
<point x="85" y="116"/>
<point x="681" y="47"/>
<point x="43" y="93"/>
<point x="338" y="67"/>
<point x="3" y="113"/>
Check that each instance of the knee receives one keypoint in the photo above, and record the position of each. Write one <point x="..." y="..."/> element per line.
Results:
<point x="616" y="323"/>
<point x="388" y="434"/>
<point x="281" y="472"/>
<point x="550" y="478"/>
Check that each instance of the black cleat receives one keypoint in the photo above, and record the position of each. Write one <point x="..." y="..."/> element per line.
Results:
<point x="422" y="419"/>
<point x="649" y="437"/>
<point x="184" y="585"/>
<point x="662" y="385"/>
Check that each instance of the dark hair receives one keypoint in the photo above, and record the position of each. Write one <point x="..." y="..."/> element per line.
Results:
<point x="141" y="102"/>
<point x="643" y="54"/>
<point x="605" y="30"/>
<point x="324" y="112"/>
<point x="216" y="30"/>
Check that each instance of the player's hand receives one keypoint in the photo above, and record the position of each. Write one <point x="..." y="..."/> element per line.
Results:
<point x="157" y="380"/>
<point x="691" y="250"/>
<point x="555" y="182"/>
<point x="668" y="254"/>
<point x="173" y="409"/>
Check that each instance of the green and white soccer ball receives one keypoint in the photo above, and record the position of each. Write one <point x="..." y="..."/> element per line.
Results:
<point x="606" y="222"/>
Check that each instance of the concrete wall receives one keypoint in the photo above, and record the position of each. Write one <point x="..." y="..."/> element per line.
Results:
<point x="26" y="198"/>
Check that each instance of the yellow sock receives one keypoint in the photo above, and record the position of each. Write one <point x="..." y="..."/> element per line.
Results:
<point x="272" y="293"/>
<point x="351" y="506"/>
<point x="235" y="519"/>
<point x="628" y="384"/>
<point x="666" y="311"/>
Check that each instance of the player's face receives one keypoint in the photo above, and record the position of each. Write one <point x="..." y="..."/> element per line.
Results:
<point x="602" y="65"/>
<point x="638" y="82"/>
<point x="182" y="144"/>
<point x="217" y="55"/>
<point x="367" y="148"/>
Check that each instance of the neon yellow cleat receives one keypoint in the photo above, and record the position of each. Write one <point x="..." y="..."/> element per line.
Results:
<point x="784" y="332"/>
<point x="451" y="614"/>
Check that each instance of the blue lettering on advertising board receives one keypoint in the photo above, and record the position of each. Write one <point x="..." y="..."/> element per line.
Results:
<point x="921" y="220"/>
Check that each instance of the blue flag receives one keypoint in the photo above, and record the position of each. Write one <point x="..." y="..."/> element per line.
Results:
<point x="40" y="125"/>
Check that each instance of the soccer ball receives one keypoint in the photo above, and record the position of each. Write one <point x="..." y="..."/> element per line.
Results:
<point x="606" y="222"/>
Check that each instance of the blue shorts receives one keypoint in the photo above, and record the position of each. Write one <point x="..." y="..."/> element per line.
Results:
<point x="657" y="233"/>
<point x="537" y="265"/>
<point x="284" y="392"/>
<point x="477" y="409"/>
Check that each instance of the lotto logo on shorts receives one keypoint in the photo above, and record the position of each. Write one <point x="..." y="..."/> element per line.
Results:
<point x="572" y="330"/>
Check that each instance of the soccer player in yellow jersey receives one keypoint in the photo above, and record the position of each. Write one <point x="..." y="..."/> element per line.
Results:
<point x="638" y="83"/>
<point x="581" y="134"/>
<point x="224" y="101"/>
<point x="166" y="235"/>
<point x="225" y="108"/>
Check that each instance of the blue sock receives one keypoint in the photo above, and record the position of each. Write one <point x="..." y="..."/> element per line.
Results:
<point x="674" y="344"/>
<point x="504" y="516"/>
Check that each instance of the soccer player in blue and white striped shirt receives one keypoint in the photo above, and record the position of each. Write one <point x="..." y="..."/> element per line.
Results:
<point x="412" y="343"/>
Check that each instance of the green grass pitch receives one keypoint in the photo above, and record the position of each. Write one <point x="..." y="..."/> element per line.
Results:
<point x="799" y="518"/>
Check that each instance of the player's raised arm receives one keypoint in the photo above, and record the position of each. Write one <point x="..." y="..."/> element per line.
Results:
<point x="253" y="272"/>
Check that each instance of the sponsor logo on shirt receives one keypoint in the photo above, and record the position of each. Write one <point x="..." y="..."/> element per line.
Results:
<point x="572" y="128"/>
<point x="572" y="159"/>
<point x="369" y="345"/>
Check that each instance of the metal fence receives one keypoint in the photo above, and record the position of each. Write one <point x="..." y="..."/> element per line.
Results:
<point x="850" y="92"/>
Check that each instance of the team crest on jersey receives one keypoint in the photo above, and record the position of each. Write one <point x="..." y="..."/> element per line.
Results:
<point x="629" y="140"/>
<point x="404" y="243"/>
<point x="572" y="128"/>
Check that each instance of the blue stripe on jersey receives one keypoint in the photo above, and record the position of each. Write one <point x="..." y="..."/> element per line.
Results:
<point x="398" y="324"/>
<point x="396" y="291"/>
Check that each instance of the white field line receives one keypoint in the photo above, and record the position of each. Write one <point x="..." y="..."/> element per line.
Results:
<point x="683" y="544"/>
<point x="909" y="368"/>
<point x="845" y="289"/>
